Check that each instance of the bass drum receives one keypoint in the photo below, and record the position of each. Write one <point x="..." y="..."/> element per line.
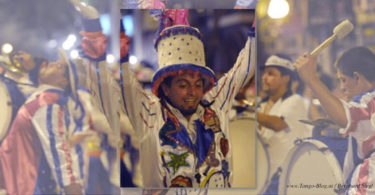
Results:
<point x="251" y="163"/>
<point x="311" y="167"/>
<point x="6" y="110"/>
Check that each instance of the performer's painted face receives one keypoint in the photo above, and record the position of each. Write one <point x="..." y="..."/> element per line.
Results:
<point x="54" y="73"/>
<point x="185" y="92"/>
<point x="273" y="80"/>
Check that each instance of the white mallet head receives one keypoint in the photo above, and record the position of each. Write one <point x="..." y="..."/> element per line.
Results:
<point x="340" y="31"/>
<point x="343" y="29"/>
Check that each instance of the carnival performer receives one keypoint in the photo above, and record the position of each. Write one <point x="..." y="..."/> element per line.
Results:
<point x="104" y="152"/>
<point x="42" y="141"/>
<point x="279" y="113"/>
<point x="356" y="70"/>
<point x="184" y="125"/>
<point x="204" y="159"/>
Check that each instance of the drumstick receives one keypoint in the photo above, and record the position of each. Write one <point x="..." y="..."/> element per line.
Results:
<point x="340" y="31"/>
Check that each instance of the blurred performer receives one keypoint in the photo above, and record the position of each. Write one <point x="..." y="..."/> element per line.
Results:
<point x="106" y="95"/>
<point x="356" y="70"/>
<point x="280" y="111"/>
<point x="184" y="134"/>
<point x="37" y="146"/>
<point x="47" y="138"/>
<point x="129" y="151"/>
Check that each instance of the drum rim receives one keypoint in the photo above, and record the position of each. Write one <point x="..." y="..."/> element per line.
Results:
<point x="4" y="128"/>
<point x="260" y="187"/>
<point x="292" y="155"/>
<point x="267" y="180"/>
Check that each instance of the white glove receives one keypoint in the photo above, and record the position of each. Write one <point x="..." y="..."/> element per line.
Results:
<point x="86" y="11"/>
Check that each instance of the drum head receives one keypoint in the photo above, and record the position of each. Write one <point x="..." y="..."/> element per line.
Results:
<point x="250" y="158"/>
<point x="6" y="110"/>
<point x="310" y="168"/>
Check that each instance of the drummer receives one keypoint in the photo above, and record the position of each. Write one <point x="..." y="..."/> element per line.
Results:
<point x="280" y="110"/>
<point x="355" y="70"/>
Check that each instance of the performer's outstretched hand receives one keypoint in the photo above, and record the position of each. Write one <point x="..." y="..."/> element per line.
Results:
<point x="85" y="10"/>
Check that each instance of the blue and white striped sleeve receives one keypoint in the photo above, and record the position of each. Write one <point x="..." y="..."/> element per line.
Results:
<point x="51" y="124"/>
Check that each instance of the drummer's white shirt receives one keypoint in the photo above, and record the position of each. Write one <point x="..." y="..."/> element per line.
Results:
<point x="291" y="109"/>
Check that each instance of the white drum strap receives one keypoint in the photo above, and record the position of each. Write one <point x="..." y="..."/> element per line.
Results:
<point x="348" y="162"/>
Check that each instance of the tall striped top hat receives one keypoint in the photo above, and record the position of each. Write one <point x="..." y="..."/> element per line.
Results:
<point x="181" y="48"/>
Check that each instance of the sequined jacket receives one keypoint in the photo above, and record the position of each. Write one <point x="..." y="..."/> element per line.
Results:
<point x="175" y="152"/>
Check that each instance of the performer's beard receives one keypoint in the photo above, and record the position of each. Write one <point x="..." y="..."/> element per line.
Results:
<point x="187" y="112"/>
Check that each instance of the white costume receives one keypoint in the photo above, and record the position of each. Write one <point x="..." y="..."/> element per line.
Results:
<point x="291" y="108"/>
<point x="38" y="144"/>
<point x="180" y="153"/>
<point x="106" y="97"/>
<point x="360" y="114"/>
